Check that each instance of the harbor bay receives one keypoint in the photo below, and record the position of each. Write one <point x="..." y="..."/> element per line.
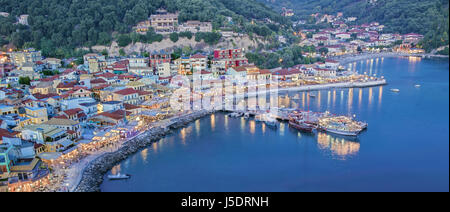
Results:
<point x="405" y="147"/>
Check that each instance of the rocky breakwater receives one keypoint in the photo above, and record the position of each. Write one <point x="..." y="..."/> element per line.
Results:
<point x="93" y="173"/>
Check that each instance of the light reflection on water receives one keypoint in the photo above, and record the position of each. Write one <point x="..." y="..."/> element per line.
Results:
<point x="340" y="148"/>
<point x="311" y="162"/>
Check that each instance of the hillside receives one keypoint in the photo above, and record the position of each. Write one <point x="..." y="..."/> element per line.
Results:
<point x="430" y="18"/>
<point x="58" y="27"/>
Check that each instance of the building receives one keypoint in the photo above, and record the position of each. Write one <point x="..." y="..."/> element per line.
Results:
<point x="23" y="19"/>
<point x="43" y="134"/>
<point x="195" y="26"/>
<point x="164" y="70"/>
<point x="159" y="58"/>
<point x="72" y="127"/>
<point x="109" y="106"/>
<point x="26" y="56"/>
<point x="36" y="114"/>
<point x="164" y="22"/>
<point x="127" y="95"/>
<point x="287" y="12"/>
<point x="184" y="65"/>
<point x="198" y="62"/>
<point x="226" y="58"/>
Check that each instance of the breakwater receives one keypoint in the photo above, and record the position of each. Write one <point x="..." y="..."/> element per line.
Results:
<point x="92" y="175"/>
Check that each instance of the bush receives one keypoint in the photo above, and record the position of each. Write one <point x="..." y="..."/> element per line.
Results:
<point x="123" y="40"/>
<point x="174" y="37"/>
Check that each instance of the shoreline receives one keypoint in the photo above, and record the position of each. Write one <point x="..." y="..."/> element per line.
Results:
<point x="93" y="173"/>
<point x="346" y="59"/>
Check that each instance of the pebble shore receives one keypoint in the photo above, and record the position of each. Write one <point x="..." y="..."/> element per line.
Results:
<point x="93" y="173"/>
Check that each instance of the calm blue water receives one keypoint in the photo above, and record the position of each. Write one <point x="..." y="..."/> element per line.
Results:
<point x="405" y="148"/>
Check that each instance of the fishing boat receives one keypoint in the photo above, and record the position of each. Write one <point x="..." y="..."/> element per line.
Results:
<point x="119" y="176"/>
<point x="395" y="90"/>
<point x="301" y="125"/>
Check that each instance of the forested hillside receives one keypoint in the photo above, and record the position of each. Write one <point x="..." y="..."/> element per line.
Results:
<point x="429" y="18"/>
<point x="58" y="27"/>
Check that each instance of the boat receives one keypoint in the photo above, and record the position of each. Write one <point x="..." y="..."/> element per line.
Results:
<point x="259" y="117"/>
<point x="270" y="122"/>
<point x="395" y="90"/>
<point x="119" y="176"/>
<point x="417" y="86"/>
<point x="247" y="115"/>
<point x="235" y="115"/>
<point x="312" y="95"/>
<point x="301" y="125"/>
<point x="340" y="132"/>
<point x="341" y="125"/>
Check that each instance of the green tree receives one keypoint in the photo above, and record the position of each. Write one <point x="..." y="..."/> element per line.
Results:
<point x="122" y="52"/>
<point x="24" y="80"/>
<point x="123" y="40"/>
<point x="174" y="37"/>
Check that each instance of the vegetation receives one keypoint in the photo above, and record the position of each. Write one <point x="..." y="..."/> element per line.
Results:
<point x="174" y="37"/>
<point x="430" y="18"/>
<point x="443" y="52"/>
<point x="210" y="38"/>
<point x="59" y="27"/>
<point x="24" y="80"/>
<point x="286" y="57"/>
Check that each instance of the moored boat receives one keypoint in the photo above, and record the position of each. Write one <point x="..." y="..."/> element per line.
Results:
<point x="395" y="90"/>
<point x="119" y="176"/>
<point x="302" y="126"/>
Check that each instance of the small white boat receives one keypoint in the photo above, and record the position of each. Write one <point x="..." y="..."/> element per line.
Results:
<point x="271" y="123"/>
<point x="417" y="86"/>
<point x="119" y="176"/>
<point x="235" y="115"/>
<point x="395" y="90"/>
<point x="247" y="115"/>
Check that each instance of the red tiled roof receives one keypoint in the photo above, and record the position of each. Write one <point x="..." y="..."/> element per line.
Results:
<point x="48" y="79"/>
<point x="107" y="75"/>
<point x="198" y="56"/>
<point x="61" y="117"/>
<point x="71" y="112"/>
<point x="101" y="86"/>
<point x="143" y="93"/>
<point x="126" y="76"/>
<point x="264" y="71"/>
<point x="126" y="91"/>
<point x="240" y="69"/>
<point x="98" y="81"/>
<point x="71" y="132"/>
<point x="7" y="133"/>
<point x="66" y="85"/>
<point x="130" y="106"/>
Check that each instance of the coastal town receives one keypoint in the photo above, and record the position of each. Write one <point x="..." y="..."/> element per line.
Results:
<point x="59" y="114"/>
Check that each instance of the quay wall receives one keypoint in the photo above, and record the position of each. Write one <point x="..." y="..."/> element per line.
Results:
<point x="93" y="173"/>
